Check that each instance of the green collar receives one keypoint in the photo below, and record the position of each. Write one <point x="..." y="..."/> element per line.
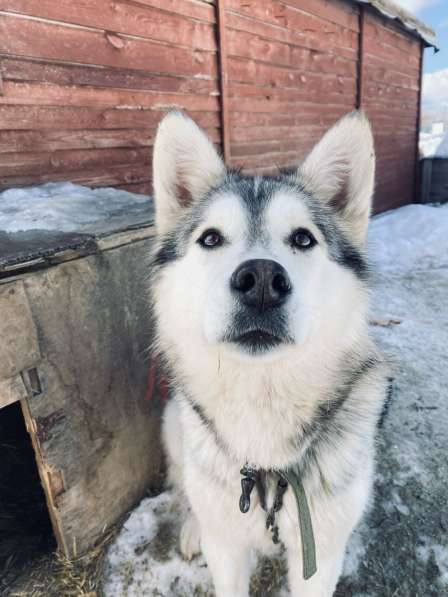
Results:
<point x="292" y="477"/>
<point x="255" y="477"/>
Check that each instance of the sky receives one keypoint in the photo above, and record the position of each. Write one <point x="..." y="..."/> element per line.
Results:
<point x="435" y="66"/>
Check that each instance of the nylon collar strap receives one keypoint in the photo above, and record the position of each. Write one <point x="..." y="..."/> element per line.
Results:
<point x="305" y="523"/>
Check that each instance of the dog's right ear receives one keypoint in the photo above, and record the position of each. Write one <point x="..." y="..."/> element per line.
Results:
<point x="185" y="166"/>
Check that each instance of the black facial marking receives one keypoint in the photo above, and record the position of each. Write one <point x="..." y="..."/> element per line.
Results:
<point x="351" y="258"/>
<point x="166" y="253"/>
<point x="340" y="248"/>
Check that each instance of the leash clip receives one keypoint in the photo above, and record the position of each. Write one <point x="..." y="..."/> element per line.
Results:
<point x="250" y="477"/>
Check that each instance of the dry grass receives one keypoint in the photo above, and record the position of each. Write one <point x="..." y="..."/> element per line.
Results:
<point x="56" y="576"/>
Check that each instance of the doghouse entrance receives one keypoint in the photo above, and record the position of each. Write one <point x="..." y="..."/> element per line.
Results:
<point x="25" y="527"/>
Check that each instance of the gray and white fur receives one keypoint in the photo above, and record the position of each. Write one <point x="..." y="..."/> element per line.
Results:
<point x="260" y="294"/>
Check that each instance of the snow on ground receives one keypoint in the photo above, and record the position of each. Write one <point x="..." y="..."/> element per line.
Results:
<point x="64" y="206"/>
<point x="401" y="547"/>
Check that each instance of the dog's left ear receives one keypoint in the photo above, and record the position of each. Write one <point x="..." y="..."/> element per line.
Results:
<point x="340" y="172"/>
<point x="185" y="166"/>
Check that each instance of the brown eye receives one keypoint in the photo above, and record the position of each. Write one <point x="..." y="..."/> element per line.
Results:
<point x="302" y="239"/>
<point x="210" y="238"/>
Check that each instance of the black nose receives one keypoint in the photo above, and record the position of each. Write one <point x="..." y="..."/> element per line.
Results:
<point x="261" y="283"/>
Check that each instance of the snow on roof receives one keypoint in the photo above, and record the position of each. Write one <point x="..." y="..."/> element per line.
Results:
<point x="392" y="10"/>
<point x="433" y="145"/>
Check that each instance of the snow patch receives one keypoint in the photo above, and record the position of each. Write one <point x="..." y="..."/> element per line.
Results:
<point x="63" y="206"/>
<point x="145" y="558"/>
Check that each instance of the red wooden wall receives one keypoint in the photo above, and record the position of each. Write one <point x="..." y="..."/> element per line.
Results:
<point x="85" y="83"/>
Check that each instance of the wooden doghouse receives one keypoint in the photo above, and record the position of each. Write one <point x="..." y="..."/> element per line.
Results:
<point x="73" y="352"/>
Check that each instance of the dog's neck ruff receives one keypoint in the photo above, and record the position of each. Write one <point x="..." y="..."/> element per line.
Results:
<point x="291" y="476"/>
<point x="256" y="477"/>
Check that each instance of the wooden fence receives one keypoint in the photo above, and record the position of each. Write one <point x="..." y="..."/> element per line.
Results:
<point x="83" y="85"/>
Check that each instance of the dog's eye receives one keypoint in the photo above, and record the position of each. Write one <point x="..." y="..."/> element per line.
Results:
<point x="302" y="239"/>
<point x="210" y="238"/>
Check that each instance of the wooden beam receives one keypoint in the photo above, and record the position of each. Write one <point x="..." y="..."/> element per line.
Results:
<point x="223" y="79"/>
<point x="360" y="78"/>
<point x="51" y="480"/>
<point x="417" y="189"/>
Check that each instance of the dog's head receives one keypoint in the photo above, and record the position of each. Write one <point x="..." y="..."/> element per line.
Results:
<point x="260" y="265"/>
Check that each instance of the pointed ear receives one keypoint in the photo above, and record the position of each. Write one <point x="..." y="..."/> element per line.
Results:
<point x="340" y="172"/>
<point x="185" y="166"/>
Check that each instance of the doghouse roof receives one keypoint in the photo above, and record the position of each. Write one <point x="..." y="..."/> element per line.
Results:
<point x="391" y="10"/>
<point x="49" y="223"/>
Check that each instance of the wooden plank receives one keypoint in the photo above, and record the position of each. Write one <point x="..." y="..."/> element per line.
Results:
<point x="321" y="34"/>
<point x="418" y="125"/>
<point x="144" y="188"/>
<point x="275" y="77"/>
<point x="399" y="68"/>
<point x="384" y="32"/>
<point x="104" y="177"/>
<point x="44" y="94"/>
<point x="310" y="86"/>
<point x="68" y="74"/>
<point x="19" y="348"/>
<point x="272" y="105"/>
<point x="32" y="141"/>
<point x="50" y="477"/>
<point x="243" y="151"/>
<point x="305" y="114"/>
<point x="272" y="133"/>
<point x="74" y="118"/>
<point x="224" y="78"/>
<point x="361" y="54"/>
<point x="342" y="13"/>
<point x="392" y="55"/>
<point x="386" y="75"/>
<point x="199" y="10"/>
<point x="246" y="45"/>
<point x="278" y="159"/>
<point x="39" y="39"/>
<point x="292" y="36"/>
<point x="378" y="91"/>
<point x="121" y="17"/>
<point x="37" y="162"/>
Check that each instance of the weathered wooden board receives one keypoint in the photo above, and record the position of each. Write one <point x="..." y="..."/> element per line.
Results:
<point x="122" y="17"/>
<point x="41" y="39"/>
<point x="95" y="431"/>
<point x="19" y="348"/>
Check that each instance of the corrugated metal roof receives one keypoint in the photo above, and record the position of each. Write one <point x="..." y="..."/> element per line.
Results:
<point x="393" y="11"/>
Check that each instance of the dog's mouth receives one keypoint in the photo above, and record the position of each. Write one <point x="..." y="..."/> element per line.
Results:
<point x="257" y="335"/>
<point x="257" y="340"/>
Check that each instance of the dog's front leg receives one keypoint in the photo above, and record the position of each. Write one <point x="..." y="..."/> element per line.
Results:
<point x="323" y="583"/>
<point x="229" y="563"/>
<point x="225" y="541"/>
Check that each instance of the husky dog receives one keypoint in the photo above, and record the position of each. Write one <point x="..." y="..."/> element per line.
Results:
<point x="260" y="295"/>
